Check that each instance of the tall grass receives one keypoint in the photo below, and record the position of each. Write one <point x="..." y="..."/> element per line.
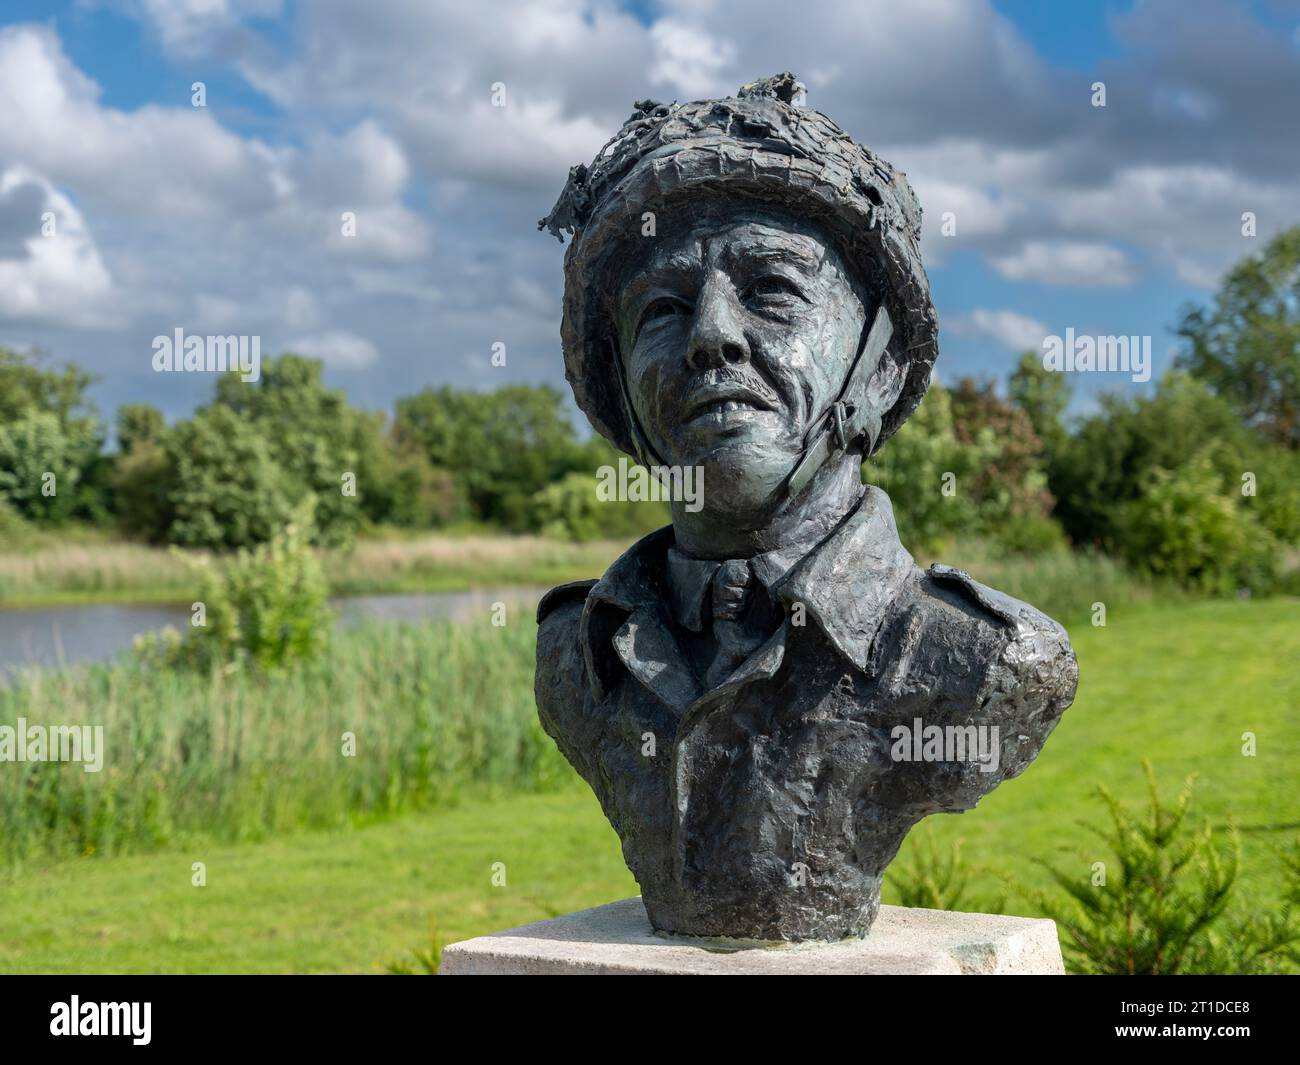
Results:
<point x="438" y="711"/>
<point x="88" y="568"/>
<point x="437" y="563"/>
<point x="1063" y="584"/>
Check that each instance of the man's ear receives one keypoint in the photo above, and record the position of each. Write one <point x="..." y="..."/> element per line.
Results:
<point x="885" y="385"/>
<point x="883" y="388"/>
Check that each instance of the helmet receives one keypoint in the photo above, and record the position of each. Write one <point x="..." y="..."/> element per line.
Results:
<point x="758" y="145"/>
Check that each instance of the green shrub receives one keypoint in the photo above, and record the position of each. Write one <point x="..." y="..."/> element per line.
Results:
<point x="39" y="467"/>
<point x="47" y="425"/>
<point x="913" y="468"/>
<point x="571" y="510"/>
<point x="15" y="533"/>
<point x="1032" y="535"/>
<point x="143" y="480"/>
<point x="934" y="879"/>
<point x="1187" y="527"/>
<point x="230" y="492"/>
<point x="267" y="607"/>
<point x="1144" y="913"/>
<point x="503" y="446"/>
<point x="403" y="488"/>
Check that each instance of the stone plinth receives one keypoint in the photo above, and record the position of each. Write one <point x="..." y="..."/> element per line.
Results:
<point x="617" y="939"/>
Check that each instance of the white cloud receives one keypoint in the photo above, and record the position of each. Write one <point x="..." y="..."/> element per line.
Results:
<point x="338" y="349"/>
<point x="1067" y="263"/>
<point x="294" y="308"/>
<point x="364" y="165"/>
<point x="1012" y="330"/>
<point x="50" y="268"/>
<point x="688" y="61"/>
<point x="153" y="160"/>
<point x="385" y="109"/>
<point x="187" y="28"/>
<point x="1196" y="272"/>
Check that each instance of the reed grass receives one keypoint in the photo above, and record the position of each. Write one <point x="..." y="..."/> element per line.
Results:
<point x="52" y="571"/>
<point x="1065" y="585"/>
<point x="438" y="711"/>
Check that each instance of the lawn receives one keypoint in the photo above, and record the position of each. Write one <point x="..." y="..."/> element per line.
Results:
<point x="351" y="901"/>
<point x="1178" y="686"/>
<point x="1175" y="684"/>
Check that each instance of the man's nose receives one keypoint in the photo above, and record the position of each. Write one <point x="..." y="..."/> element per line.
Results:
<point x="716" y="334"/>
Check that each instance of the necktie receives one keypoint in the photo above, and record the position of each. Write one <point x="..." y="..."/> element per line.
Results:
<point x="731" y="592"/>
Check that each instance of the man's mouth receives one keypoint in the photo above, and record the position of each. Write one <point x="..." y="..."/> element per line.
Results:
<point x="723" y="401"/>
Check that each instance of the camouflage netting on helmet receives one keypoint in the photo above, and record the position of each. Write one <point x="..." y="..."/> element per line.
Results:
<point x="757" y="146"/>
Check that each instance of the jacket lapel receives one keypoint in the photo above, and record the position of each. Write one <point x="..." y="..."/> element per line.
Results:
<point x="625" y="611"/>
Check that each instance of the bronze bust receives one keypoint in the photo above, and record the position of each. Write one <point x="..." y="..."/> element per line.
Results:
<point x="768" y="694"/>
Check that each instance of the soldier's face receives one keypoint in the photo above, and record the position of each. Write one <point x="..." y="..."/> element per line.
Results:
<point x="737" y="329"/>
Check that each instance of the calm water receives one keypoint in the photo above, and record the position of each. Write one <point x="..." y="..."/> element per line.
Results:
<point x="50" y="636"/>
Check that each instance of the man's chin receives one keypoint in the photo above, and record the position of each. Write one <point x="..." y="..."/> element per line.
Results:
<point x="742" y="479"/>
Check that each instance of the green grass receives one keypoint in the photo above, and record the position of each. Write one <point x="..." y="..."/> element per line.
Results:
<point x="1064" y="584"/>
<point x="1175" y="684"/>
<point x="437" y="711"/>
<point x="86" y="566"/>
<point x="348" y="901"/>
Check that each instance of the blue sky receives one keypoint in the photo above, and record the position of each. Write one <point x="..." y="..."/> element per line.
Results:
<point x="225" y="219"/>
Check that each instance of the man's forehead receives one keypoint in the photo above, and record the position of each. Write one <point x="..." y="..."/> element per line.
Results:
<point x="736" y="242"/>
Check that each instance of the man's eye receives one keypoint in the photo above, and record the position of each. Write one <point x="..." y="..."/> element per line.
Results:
<point x="772" y="287"/>
<point x="664" y="307"/>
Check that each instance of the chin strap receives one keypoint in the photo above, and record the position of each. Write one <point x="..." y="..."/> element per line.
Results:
<point x="849" y="417"/>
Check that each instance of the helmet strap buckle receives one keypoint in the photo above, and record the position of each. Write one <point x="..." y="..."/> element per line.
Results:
<point x="849" y="416"/>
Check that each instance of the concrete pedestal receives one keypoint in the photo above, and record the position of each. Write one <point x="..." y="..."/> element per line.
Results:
<point x="617" y="939"/>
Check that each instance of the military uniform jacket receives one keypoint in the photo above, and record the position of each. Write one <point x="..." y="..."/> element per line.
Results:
<point x="769" y="806"/>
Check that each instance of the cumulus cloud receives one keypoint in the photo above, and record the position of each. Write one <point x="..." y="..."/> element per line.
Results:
<point x="159" y="160"/>
<point x="1012" y="330"/>
<point x="1067" y="263"/>
<point x="50" y="268"/>
<point x="386" y="110"/>
<point x="688" y="61"/>
<point x="187" y="28"/>
<point x="338" y="349"/>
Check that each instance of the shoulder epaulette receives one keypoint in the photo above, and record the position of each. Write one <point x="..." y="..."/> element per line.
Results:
<point x="999" y="604"/>
<point x="573" y="592"/>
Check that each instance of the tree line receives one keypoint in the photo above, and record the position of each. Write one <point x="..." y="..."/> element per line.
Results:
<point x="235" y="471"/>
<point x="1197" y="480"/>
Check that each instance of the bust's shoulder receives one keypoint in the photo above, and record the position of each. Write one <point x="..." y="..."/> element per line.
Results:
<point x="560" y="681"/>
<point x="559" y="621"/>
<point x="572" y="594"/>
<point x="960" y="618"/>
<point x="987" y="604"/>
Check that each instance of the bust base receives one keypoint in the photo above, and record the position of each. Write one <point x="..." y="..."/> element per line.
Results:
<point x="617" y="939"/>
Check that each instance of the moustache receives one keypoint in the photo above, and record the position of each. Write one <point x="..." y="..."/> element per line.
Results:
<point x="727" y="384"/>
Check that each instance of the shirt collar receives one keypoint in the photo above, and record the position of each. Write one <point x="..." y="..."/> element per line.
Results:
<point x="845" y="584"/>
<point x="688" y="580"/>
<point x="848" y="581"/>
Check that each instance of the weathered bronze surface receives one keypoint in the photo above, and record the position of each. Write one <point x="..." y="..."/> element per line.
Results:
<point x="769" y="693"/>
